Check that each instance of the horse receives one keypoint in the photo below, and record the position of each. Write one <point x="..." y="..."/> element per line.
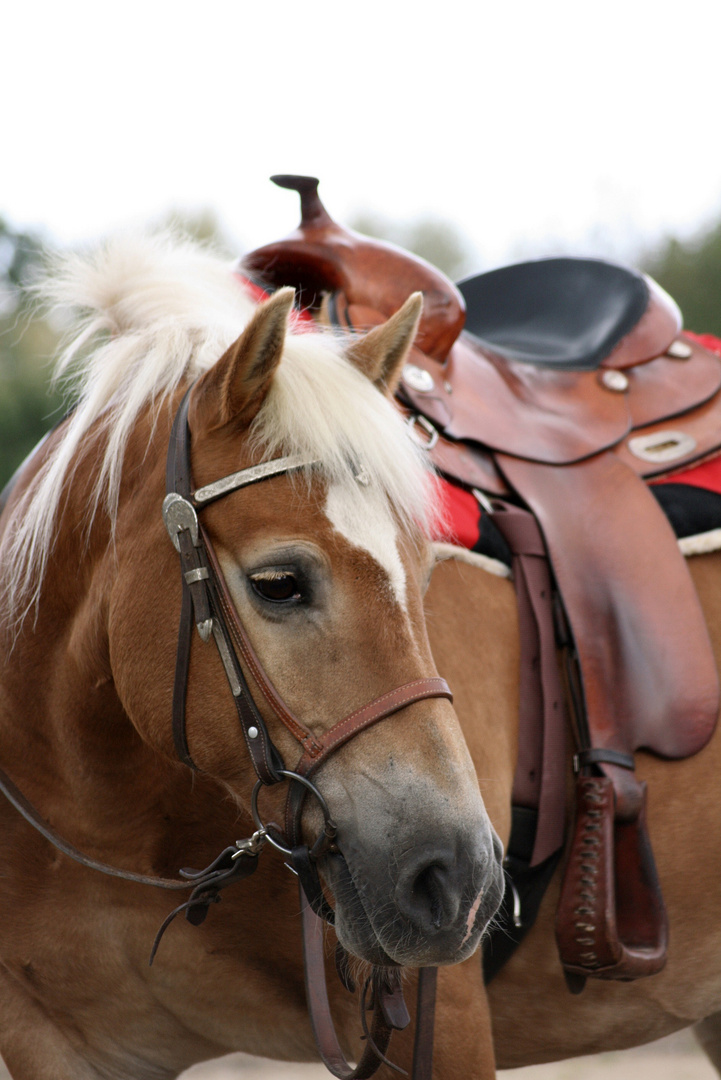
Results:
<point x="92" y="597"/>
<point x="301" y="507"/>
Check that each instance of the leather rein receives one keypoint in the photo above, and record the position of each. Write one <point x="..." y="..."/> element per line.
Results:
<point x="207" y="603"/>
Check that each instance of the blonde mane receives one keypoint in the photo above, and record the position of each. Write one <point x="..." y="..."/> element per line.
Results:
<point x="151" y="313"/>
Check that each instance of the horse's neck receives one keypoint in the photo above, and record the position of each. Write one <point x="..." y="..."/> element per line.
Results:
<point x="66" y="740"/>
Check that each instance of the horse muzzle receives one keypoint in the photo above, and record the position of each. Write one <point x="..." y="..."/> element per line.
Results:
<point x="428" y="905"/>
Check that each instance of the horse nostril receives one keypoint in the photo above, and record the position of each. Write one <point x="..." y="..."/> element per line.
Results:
<point x="428" y="889"/>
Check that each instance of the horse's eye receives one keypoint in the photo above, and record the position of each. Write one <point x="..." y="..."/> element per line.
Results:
<point x="278" y="588"/>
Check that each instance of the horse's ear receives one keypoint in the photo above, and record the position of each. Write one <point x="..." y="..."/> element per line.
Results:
<point x="383" y="351"/>
<point x="234" y="388"/>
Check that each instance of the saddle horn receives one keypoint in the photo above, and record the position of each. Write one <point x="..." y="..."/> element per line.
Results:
<point x="312" y="211"/>
<point x="373" y="277"/>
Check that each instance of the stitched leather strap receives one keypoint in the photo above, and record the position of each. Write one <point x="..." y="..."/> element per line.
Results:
<point x="370" y="714"/>
<point x="199" y="594"/>
<point x="541" y="707"/>
<point x="237" y="631"/>
<point x="347" y="729"/>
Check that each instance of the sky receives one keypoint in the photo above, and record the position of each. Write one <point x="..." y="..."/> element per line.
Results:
<point x="531" y="127"/>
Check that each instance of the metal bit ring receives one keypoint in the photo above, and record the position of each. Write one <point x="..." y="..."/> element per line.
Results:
<point x="330" y="827"/>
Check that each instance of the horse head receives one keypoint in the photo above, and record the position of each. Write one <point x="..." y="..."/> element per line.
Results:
<point x="323" y="567"/>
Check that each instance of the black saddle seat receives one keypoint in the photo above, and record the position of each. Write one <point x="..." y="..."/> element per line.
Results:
<point x="562" y="313"/>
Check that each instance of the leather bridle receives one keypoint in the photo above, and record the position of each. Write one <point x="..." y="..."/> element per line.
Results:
<point x="206" y="601"/>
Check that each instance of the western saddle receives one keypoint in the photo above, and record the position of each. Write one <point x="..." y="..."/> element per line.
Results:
<point x="570" y="386"/>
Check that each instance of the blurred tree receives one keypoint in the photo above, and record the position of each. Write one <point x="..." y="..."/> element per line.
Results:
<point x="691" y="272"/>
<point x="202" y="225"/>
<point x="27" y="408"/>
<point x="28" y="340"/>
<point x="438" y="242"/>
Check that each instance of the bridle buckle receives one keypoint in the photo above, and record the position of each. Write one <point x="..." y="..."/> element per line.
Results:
<point x="179" y="515"/>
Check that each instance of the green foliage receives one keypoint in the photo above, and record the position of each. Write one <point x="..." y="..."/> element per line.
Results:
<point x="27" y="408"/>
<point x="202" y="226"/>
<point x="691" y="272"/>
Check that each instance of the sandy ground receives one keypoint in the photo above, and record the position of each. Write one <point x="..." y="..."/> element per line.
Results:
<point x="676" y="1058"/>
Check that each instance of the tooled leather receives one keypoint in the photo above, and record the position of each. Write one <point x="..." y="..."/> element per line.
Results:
<point x="560" y="418"/>
<point x="665" y="387"/>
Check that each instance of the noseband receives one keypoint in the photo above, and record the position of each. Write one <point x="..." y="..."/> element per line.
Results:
<point x="206" y="601"/>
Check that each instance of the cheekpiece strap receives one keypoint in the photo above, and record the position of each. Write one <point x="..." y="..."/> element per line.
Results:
<point x="200" y="603"/>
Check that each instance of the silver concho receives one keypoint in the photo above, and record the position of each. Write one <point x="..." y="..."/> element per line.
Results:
<point x="679" y="350"/>
<point x="418" y="379"/>
<point x="178" y="515"/>
<point x="615" y="380"/>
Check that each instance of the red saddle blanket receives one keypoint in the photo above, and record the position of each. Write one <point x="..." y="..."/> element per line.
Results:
<point x="467" y="524"/>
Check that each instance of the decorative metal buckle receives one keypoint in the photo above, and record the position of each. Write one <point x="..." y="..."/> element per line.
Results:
<point x="179" y="515"/>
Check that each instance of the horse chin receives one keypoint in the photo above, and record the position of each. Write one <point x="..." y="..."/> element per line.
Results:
<point x="352" y="926"/>
<point x="393" y="944"/>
